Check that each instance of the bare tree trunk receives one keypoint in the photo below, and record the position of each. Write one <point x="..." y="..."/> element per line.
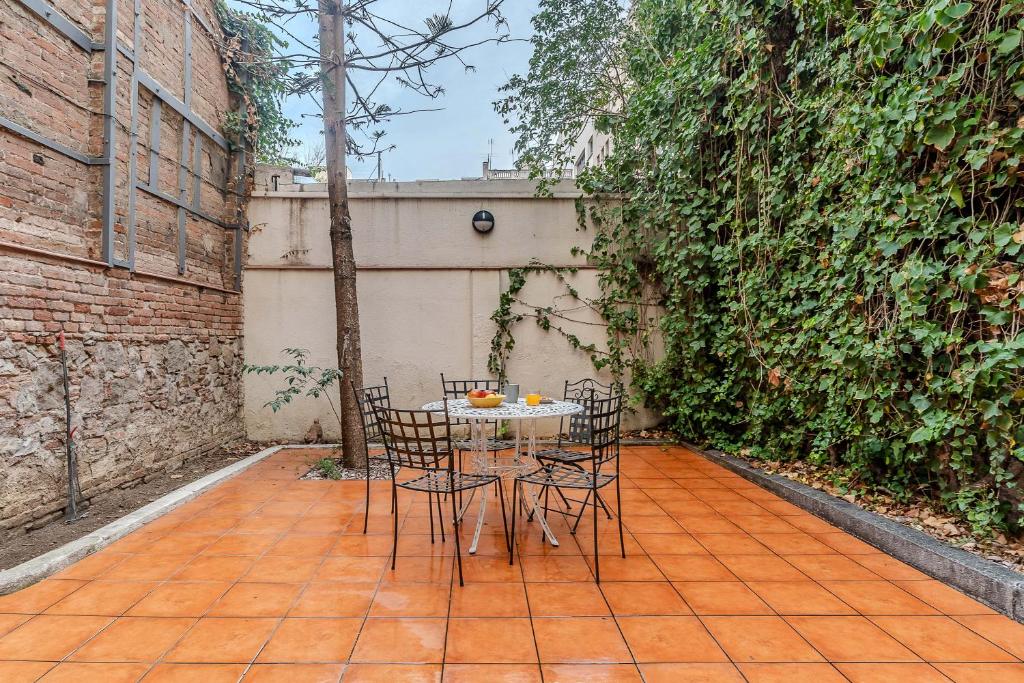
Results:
<point x="350" y="359"/>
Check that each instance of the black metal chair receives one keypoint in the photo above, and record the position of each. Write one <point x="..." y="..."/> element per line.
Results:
<point x="578" y="432"/>
<point x="589" y="473"/>
<point x="421" y="440"/>
<point x="366" y="397"/>
<point x="458" y="388"/>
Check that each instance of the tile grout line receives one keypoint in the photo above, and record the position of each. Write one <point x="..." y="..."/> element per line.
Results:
<point x="818" y="582"/>
<point x="369" y="606"/>
<point x="52" y="561"/>
<point x="158" y="583"/>
<point x="614" y="617"/>
<point x="777" y="615"/>
<point x="945" y="616"/>
<point x="695" y="614"/>
<point x="377" y="584"/>
<point x="979" y="634"/>
<point x="456" y="529"/>
<point x="516" y="552"/>
<point x="880" y="578"/>
<point x="283" y="488"/>
<point x="160" y="660"/>
<point x="115" y="618"/>
<point x="300" y="592"/>
<point x="860" y="614"/>
<point x="380" y="580"/>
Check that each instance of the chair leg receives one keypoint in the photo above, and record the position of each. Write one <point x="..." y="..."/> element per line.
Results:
<point x="455" y="526"/>
<point x="542" y="533"/>
<point x="394" y="519"/>
<point x="597" y="561"/>
<point x="618" y="514"/>
<point x="564" y="499"/>
<point x="460" y="470"/>
<point x="603" y="506"/>
<point x="430" y="512"/>
<point x="366" y="515"/>
<point x="504" y="518"/>
<point x="440" y="517"/>
<point x="515" y="513"/>
<point x="583" y="508"/>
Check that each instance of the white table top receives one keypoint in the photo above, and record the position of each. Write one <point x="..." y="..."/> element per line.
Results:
<point x="461" y="408"/>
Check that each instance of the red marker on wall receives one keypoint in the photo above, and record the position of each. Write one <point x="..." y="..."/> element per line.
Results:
<point x="60" y="340"/>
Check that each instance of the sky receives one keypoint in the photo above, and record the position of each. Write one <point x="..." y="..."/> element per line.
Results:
<point x="452" y="142"/>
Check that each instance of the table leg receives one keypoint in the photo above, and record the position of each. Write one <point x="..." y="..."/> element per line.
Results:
<point x="538" y="513"/>
<point x="483" y="466"/>
<point x="465" y="506"/>
<point x="480" y="519"/>
<point x="476" y="431"/>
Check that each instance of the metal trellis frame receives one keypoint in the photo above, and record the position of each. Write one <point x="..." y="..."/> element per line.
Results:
<point x="47" y="13"/>
<point x="192" y="124"/>
<point x="109" y="133"/>
<point x="133" y="145"/>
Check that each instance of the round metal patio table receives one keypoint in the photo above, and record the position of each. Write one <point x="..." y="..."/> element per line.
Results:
<point x="519" y="413"/>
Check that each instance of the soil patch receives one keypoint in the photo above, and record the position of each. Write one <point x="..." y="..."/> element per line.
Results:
<point x="655" y="434"/>
<point x="919" y="513"/>
<point x="114" y="504"/>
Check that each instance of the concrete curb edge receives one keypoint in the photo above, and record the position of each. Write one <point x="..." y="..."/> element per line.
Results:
<point x="1000" y="588"/>
<point x="31" y="571"/>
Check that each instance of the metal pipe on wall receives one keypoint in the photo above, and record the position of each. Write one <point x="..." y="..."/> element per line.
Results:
<point x="109" y="131"/>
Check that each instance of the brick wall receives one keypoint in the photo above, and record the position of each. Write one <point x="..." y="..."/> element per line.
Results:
<point x="155" y="354"/>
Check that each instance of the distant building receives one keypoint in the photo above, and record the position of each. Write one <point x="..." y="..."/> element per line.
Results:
<point x="591" y="148"/>
<point x="515" y="173"/>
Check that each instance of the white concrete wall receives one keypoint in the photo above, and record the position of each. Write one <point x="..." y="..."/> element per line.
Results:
<point x="428" y="285"/>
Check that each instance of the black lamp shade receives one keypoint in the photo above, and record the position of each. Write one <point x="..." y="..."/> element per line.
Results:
<point x="483" y="221"/>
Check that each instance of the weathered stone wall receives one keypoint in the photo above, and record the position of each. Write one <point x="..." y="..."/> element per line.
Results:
<point x="155" y="355"/>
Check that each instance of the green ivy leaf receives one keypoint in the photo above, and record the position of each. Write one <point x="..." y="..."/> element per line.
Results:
<point x="940" y="136"/>
<point x="920" y="434"/>
<point x="956" y="195"/>
<point x="800" y="208"/>
<point x="1009" y="42"/>
<point x="958" y="10"/>
<point x="947" y="40"/>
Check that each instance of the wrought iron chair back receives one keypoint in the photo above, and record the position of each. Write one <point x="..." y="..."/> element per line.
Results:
<point x="581" y="391"/>
<point x="421" y="440"/>
<point x="604" y="417"/>
<point x="366" y="397"/>
<point x="416" y="439"/>
<point x="458" y="388"/>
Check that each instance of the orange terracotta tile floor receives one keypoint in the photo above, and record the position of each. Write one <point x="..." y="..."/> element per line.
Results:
<point x="268" y="578"/>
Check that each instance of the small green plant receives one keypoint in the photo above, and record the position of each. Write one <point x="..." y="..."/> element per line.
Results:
<point x="329" y="468"/>
<point x="301" y="379"/>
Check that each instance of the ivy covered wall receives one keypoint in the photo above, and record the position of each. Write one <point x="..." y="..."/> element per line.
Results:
<point x="826" y="199"/>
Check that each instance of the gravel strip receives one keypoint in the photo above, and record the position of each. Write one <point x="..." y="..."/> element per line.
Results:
<point x="378" y="471"/>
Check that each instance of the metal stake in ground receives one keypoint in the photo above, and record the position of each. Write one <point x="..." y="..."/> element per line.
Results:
<point x="71" y="512"/>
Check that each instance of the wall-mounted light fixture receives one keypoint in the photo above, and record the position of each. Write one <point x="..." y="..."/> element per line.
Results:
<point x="483" y="221"/>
